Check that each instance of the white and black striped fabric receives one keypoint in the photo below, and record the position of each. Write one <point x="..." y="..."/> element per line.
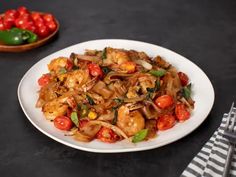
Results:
<point x="210" y="161"/>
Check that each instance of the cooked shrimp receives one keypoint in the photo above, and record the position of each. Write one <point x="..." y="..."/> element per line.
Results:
<point x="56" y="64"/>
<point x="130" y="122"/>
<point x="75" y="79"/>
<point x="56" y="107"/>
<point x="116" y="56"/>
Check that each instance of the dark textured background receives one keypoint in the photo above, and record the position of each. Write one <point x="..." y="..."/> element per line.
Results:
<point x="203" y="31"/>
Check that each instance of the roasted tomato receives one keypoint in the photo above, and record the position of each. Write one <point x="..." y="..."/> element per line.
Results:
<point x="165" y="122"/>
<point x="44" y="79"/>
<point x="95" y="70"/>
<point x="181" y="112"/>
<point x="183" y="78"/>
<point x="164" y="101"/>
<point x="63" y="123"/>
<point x="107" y="135"/>
<point x="69" y="65"/>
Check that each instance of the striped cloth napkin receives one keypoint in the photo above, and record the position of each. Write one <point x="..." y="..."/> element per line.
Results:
<point x="210" y="161"/>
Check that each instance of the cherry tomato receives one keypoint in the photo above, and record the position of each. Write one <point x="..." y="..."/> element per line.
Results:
<point x="94" y="69"/>
<point x="69" y="65"/>
<point x="107" y="135"/>
<point x="12" y="13"/>
<point x="183" y="78"/>
<point x="165" y="122"/>
<point x="8" y="22"/>
<point x="43" y="31"/>
<point x="164" y="101"/>
<point x="44" y="79"/>
<point x="22" y="20"/>
<point x="128" y="66"/>
<point x="181" y="112"/>
<point x="2" y="27"/>
<point x="39" y="22"/>
<point x="63" y="123"/>
<point x="35" y="16"/>
<point x="51" y="25"/>
<point x="22" y="10"/>
<point x="48" y="17"/>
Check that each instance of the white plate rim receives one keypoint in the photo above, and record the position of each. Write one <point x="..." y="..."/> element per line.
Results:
<point x="132" y="149"/>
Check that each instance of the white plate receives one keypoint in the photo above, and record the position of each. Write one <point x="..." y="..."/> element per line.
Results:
<point x="203" y="94"/>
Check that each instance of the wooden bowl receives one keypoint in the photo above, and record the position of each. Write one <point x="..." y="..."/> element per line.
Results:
<point x="25" y="47"/>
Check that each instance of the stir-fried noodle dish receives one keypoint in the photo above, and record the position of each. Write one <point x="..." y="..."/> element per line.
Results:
<point x="114" y="94"/>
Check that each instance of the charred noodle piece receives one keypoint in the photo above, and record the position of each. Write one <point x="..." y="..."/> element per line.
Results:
<point x="113" y="76"/>
<point x="101" y="88"/>
<point x="108" y="125"/>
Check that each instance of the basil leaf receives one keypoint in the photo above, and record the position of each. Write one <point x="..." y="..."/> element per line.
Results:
<point x="74" y="118"/>
<point x="158" y="73"/>
<point x="187" y="91"/>
<point x="104" y="53"/>
<point x="115" y="117"/>
<point x="106" y="70"/>
<point x="90" y="100"/>
<point x="153" y="90"/>
<point x="140" y="136"/>
<point x="62" y="70"/>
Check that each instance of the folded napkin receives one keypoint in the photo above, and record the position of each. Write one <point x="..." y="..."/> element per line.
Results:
<point x="210" y="161"/>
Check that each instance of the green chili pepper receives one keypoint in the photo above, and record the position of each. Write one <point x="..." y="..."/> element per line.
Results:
<point x="16" y="36"/>
<point x="74" y="118"/>
<point x="158" y="73"/>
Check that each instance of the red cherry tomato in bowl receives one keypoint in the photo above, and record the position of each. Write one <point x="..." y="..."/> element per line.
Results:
<point x="52" y="26"/>
<point x="43" y="31"/>
<point x="48" y="17"/>
<point x="63" y="123"/>
<point x="165" y="122"/>
<point x="12" y="13"/>
<point x="164" y="101"/>
<point x="22" y="10"/>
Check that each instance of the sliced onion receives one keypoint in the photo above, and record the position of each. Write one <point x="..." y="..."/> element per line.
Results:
<point x="143" y="63"/>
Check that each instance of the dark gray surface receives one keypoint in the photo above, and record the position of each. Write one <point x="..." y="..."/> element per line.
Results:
<point x="203" y="31"/>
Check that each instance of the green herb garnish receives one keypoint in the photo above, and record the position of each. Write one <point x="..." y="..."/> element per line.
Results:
<point x="90" y="100"/>
<point x="104" y="53"/>
<point x="187" y="91"/>
<point x="62" y="70"/>
<point x="106" y="69"/>
<point x="153" y="90"/>
<point x="158" y="73"/>
<point x="140" y="136"/>
<point x="115" y="117"/>
<point x="74" y="118"/>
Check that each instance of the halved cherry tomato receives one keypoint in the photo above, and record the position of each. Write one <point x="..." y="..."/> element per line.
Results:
<point x="181" y="112"/>
<point x="165" y="122"/>
<point x="107" y="135"/>
<point x="22" y="10"/>
<point x="183" y="78"/>
<point x="48" y="17"/>
<point x="69" y="65"/>
<point x="164" y="101"/>
<point x="63" y="123"/>
<point x="128" y="66"/>
<point x="95" y="70"/>
<point x="44" y="79"/>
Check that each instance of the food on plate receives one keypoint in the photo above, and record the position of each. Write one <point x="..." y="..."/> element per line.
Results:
<point x="19" y="23"/>
<point x="114" y="94"/>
